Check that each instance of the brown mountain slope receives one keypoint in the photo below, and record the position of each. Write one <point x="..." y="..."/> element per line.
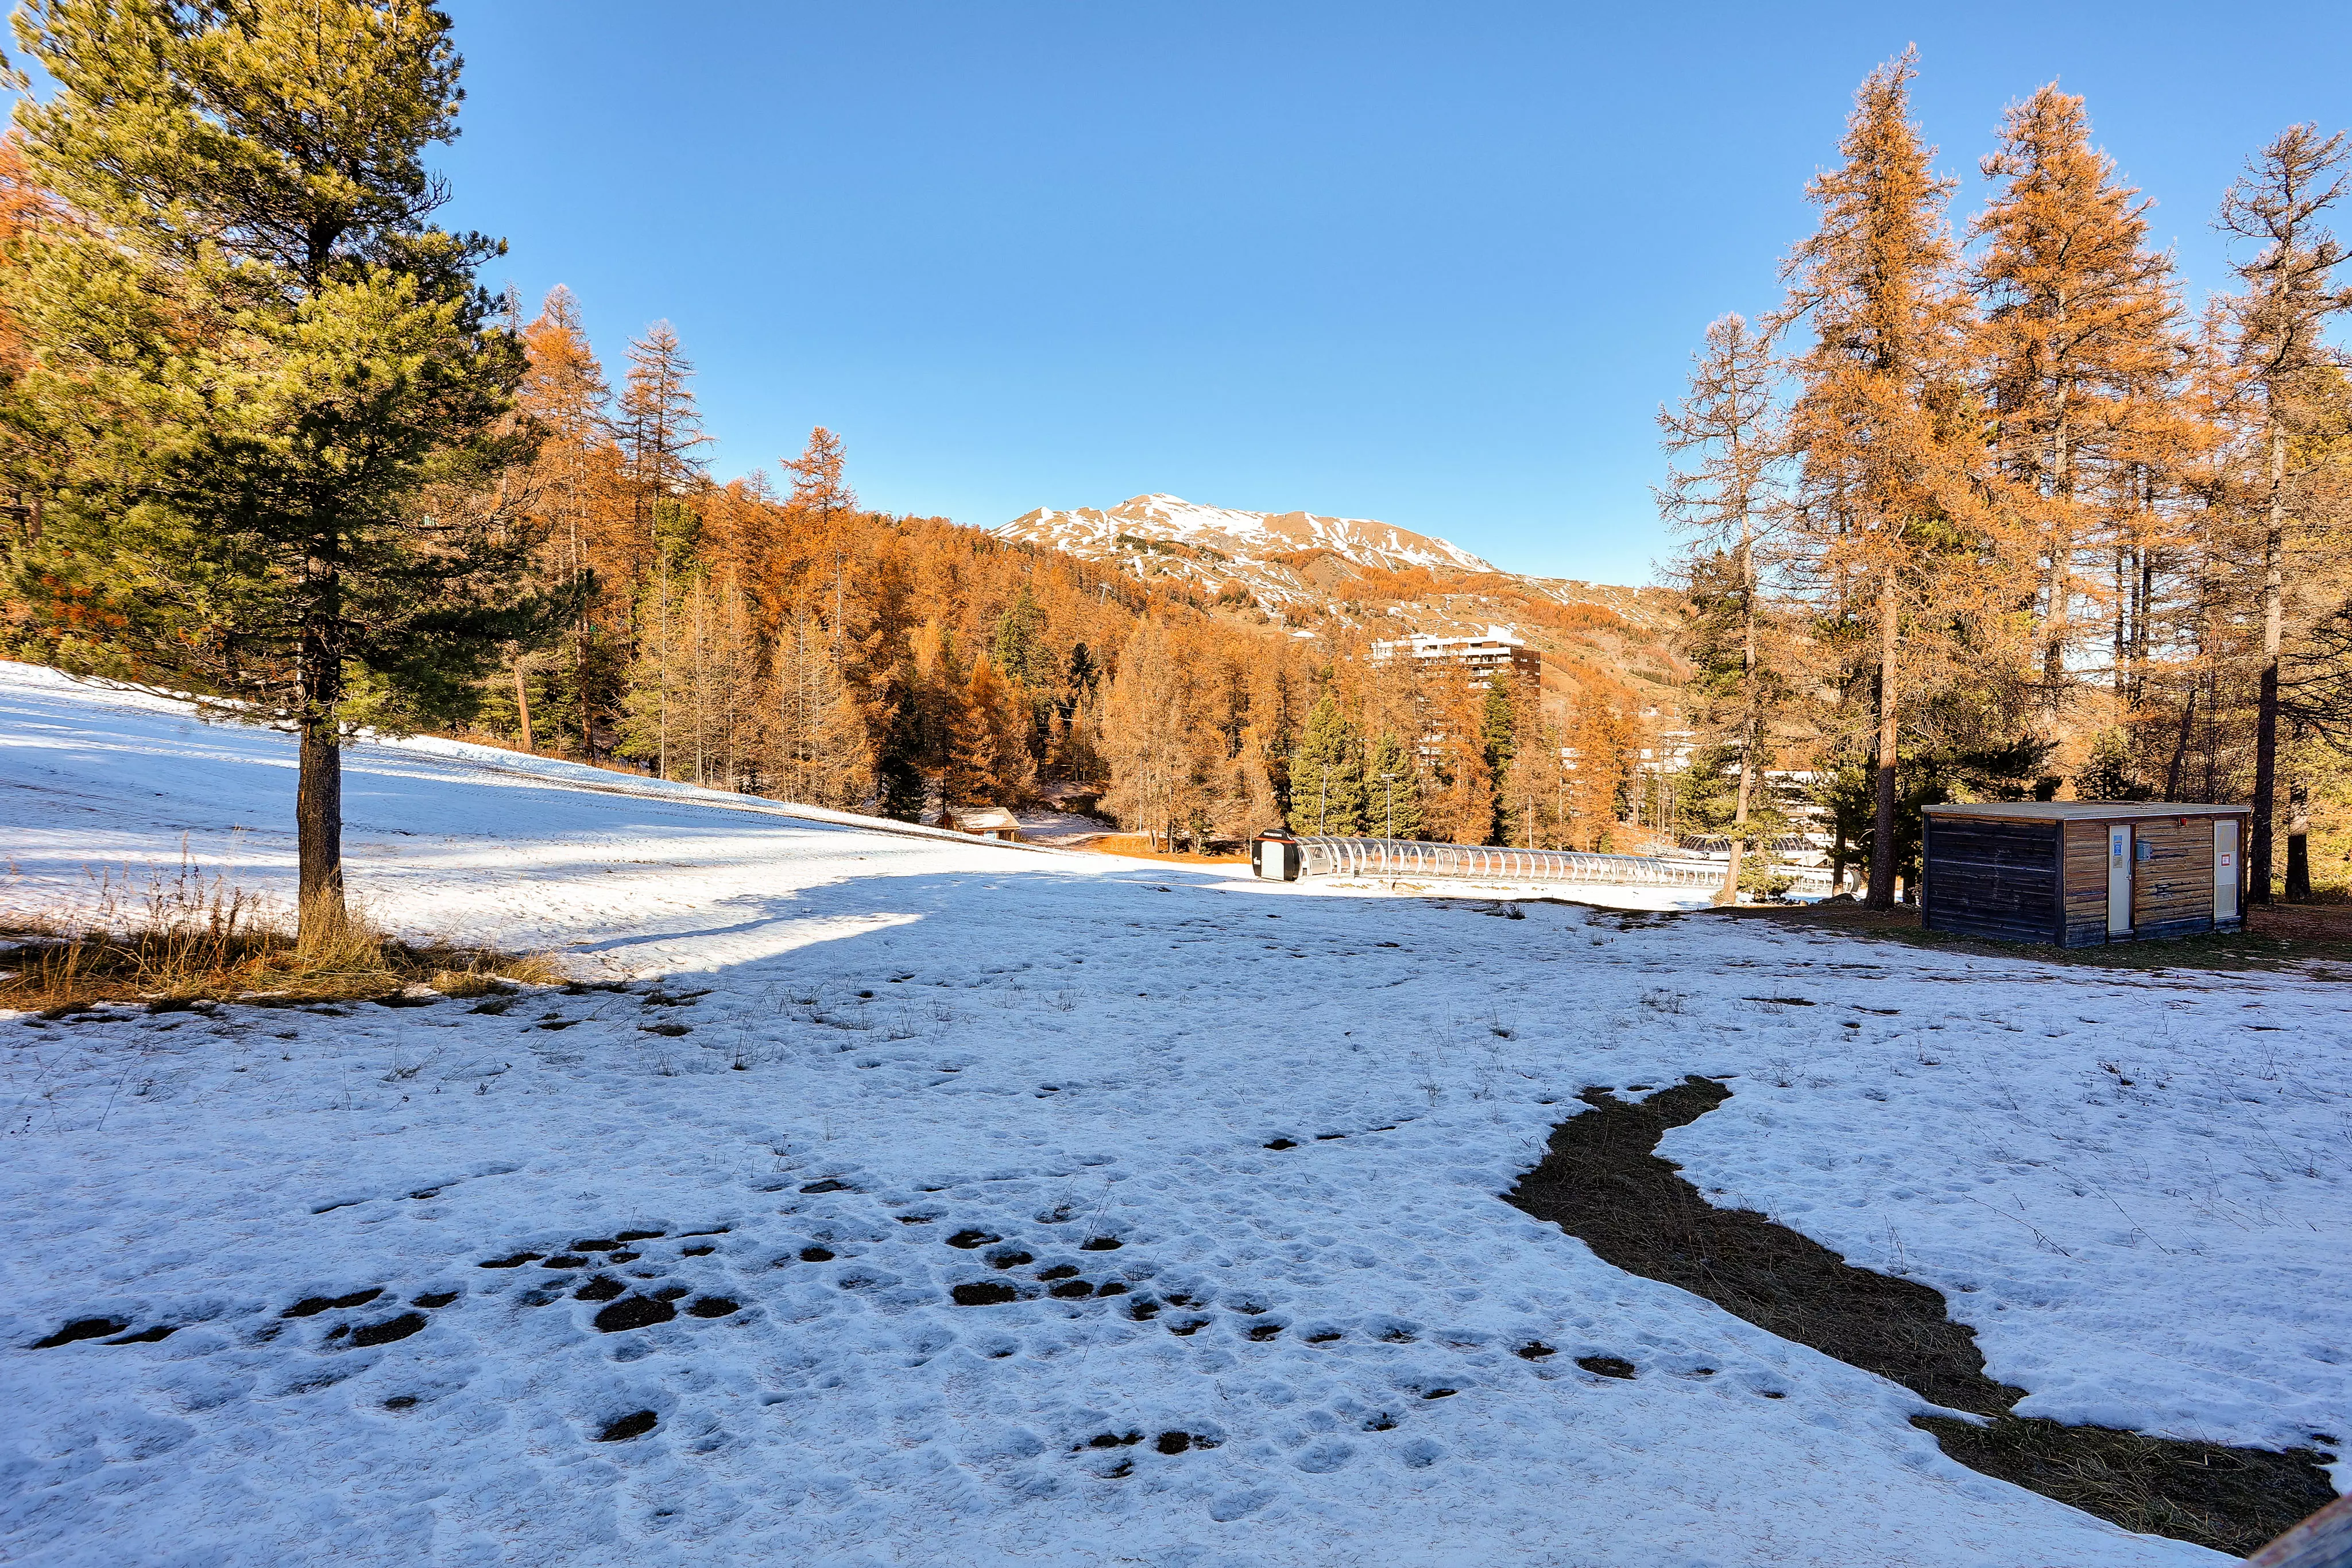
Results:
<point x="1301" y="571"/>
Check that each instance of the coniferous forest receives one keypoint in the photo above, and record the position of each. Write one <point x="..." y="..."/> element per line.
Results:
<point x="1986" y="507"/>
<point x="1990" y="510"/>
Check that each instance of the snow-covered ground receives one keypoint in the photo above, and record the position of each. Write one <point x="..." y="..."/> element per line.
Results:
<point x="868" y="1046"/>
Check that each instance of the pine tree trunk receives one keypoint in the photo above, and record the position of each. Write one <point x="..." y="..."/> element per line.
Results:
<point x="2180" y="748"/>
<point x="2055" y="627"/>
<point x="2062" y="551"/>
<point x="1729" y="892"/>
<point x="661" y="667"/>
<point x="522" y="705"/>
<point x="2258" y="851"/>
<point x="318" y="782"/>
<point x="2298" y="842"/>
<point x="587" y="705"/>
<point x="2120" y="665"/>
<point x="1882" y="837"/>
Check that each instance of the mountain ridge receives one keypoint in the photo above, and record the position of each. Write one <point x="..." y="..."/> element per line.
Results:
<point x="1296" y="567"/>
<point x="1244" y="538"/>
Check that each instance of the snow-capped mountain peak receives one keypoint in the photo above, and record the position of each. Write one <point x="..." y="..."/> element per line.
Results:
<point x="1247" y="540"/>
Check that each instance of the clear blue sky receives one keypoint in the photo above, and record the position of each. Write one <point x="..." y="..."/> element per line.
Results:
<point x="1436" y="265"/>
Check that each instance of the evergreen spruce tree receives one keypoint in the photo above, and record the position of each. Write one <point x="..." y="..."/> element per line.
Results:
<point x="1327" y="778"/>
<point x="1018" y="649"/>
<point x="1392" y="789"/>
<point x="2106" y="772"/>
<point x="897" y="772"/>
<point x="251" y="352"/>
<point x="1497" y="742"/>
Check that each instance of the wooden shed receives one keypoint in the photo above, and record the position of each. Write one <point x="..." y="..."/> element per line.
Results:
<point x="986" y="821"/>
<point x="2080" y="873"/>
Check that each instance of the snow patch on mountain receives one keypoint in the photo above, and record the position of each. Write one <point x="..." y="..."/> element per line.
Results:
<point x="1248" y="539"/>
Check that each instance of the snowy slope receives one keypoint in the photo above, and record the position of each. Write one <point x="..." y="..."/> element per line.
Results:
<point x="872" y="1044"/>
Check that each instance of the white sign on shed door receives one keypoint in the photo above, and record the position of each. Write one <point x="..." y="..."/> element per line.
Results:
<point x="2119" y="881"/>
<point x="2225" y="868"/>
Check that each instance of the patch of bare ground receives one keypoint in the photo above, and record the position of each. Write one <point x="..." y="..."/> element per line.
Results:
<point x="1135" y="846"/>
<point x="188" y="938"/>
<point x="2312" y="939"/>
<point x="1603" y="1181"/>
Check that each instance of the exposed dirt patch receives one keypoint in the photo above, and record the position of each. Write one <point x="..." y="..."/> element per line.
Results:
<point x="983" y="1293"/>
<point x="2234" y="1500"/>
<point x="391" y="1329"/>
<point x="1603" y="1181"/>
<point x="79" y="1329"/>
<point x="632" y="1426"/>
<point x="635" y="1313"/>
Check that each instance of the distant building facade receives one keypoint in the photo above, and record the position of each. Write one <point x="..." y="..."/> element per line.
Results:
<point x="1477" y="658"/>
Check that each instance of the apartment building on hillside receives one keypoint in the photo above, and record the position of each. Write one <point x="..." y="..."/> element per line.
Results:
<point x="1476" y="657"/>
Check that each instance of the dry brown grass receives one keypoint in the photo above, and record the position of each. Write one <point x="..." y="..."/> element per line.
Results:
<point x="1135" y="846"/>
<point x="188" y="937"/>
<point x="2313" y="939"/>
<point x="1601" y="1179"/>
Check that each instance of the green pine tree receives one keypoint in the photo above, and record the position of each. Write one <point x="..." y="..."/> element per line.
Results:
<point x="1392" y="790"/>
<point x="259" y="361"/>
<point x="1018" y="651"/>
<point x="1498" y="726"/>
<point x="1327" y="775"/>
<point x="2106" y="773"/>
<point x="1020" y="655"/>
<point x="896" y="767"/>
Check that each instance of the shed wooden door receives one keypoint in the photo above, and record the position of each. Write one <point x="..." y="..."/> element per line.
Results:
<point x="2173" y="893"/>
<point x="2119" y="879"/>
<point x="2225" y="869"/>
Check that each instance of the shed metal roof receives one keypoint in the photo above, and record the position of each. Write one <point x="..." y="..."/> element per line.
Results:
<point x="985" y="818"/>
<point x="2083" y="811"/>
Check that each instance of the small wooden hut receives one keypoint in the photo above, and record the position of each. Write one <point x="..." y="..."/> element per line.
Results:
<point x="987" y="822"/>
<point x="2079" y="872"/>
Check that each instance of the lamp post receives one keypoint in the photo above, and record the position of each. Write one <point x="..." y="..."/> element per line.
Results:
<point x="1388" y="850"/>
